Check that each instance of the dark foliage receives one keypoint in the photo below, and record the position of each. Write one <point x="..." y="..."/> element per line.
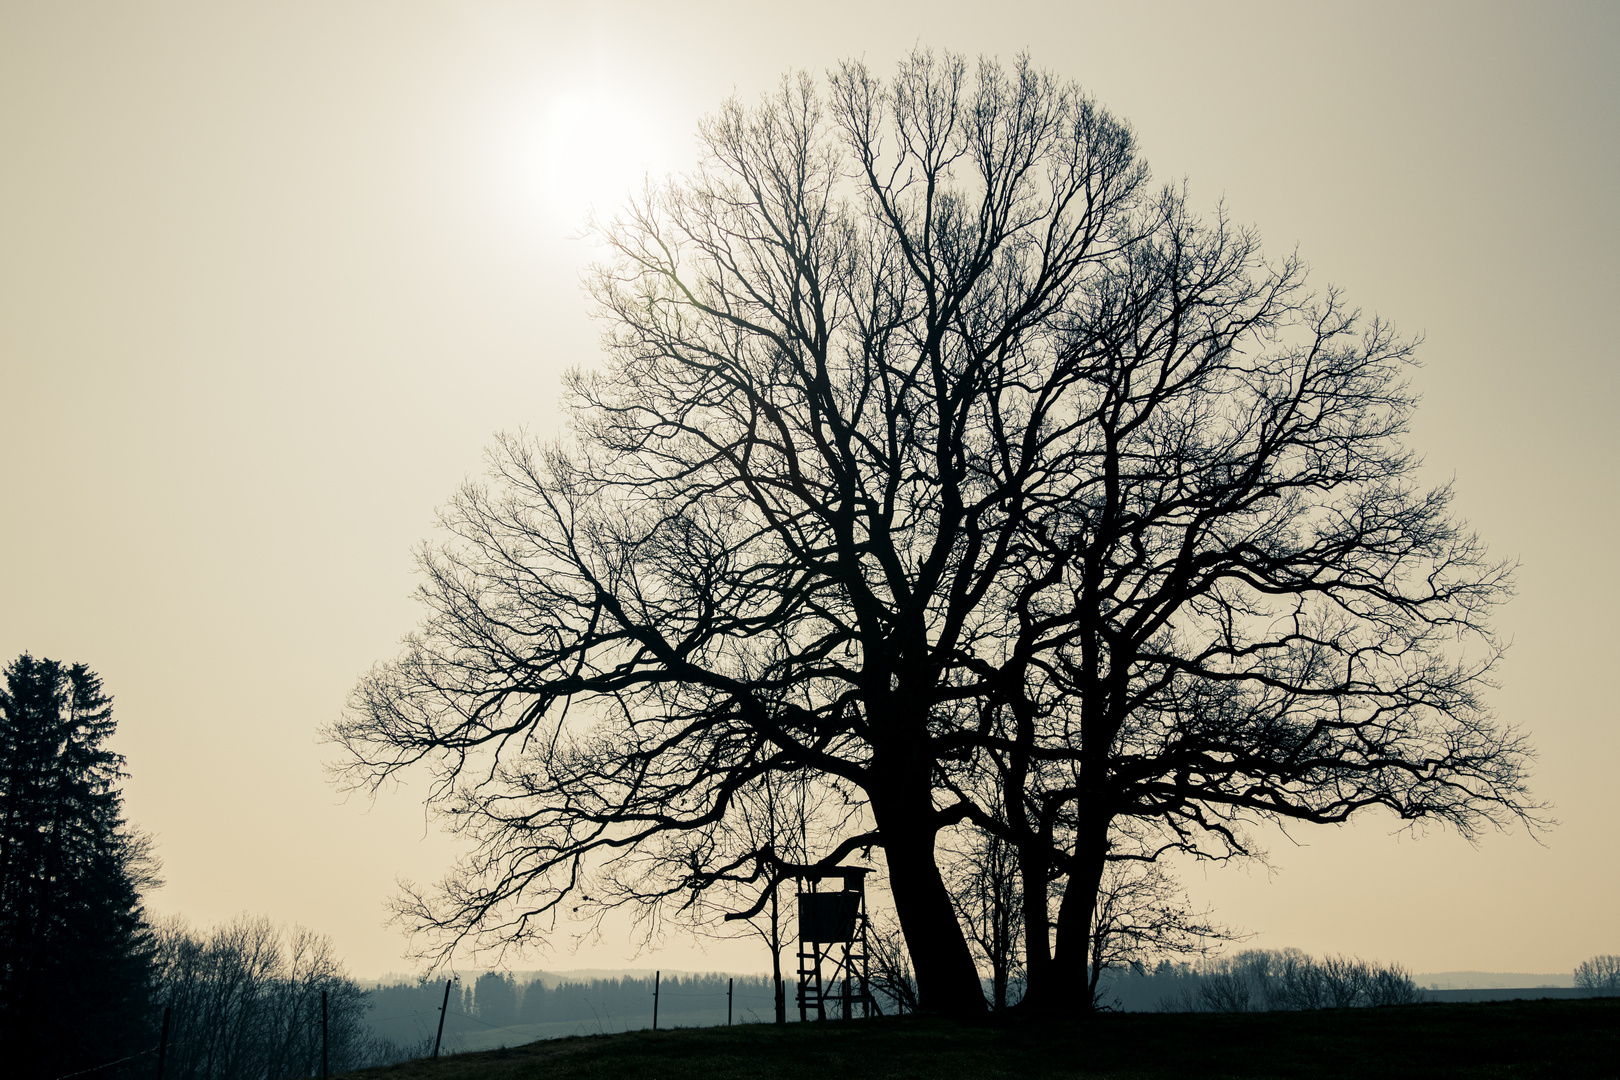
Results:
<point x="74" y="951"/>
<point x="496" y="999"/>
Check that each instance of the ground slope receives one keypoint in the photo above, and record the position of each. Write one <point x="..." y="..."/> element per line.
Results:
<point x="1431" y="1042"/>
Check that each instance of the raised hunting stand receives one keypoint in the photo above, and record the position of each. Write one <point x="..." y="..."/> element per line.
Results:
<point x="832" y="928"/>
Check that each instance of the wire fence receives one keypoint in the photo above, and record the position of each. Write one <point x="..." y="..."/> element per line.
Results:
<point x="492" y="1014"/>
<point x="107" y="1065"/>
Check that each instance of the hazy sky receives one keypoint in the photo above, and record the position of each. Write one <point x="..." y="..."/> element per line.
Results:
<point x="271" y="276"/>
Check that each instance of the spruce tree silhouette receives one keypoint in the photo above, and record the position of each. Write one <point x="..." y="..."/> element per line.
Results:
<point x="74" y="950"/>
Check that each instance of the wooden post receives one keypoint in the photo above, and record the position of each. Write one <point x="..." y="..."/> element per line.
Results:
<point x="656" y="976"/>
<point x="323" y="1035"/>
<point x="440" y="1036"/>
<point x="821" y="991"/>
<point x="731" y="984"/>
<point x="163" y="1042"/>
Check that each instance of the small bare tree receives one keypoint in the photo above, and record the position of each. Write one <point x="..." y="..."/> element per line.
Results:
<point x="984" y="878"/>
<point x="1346" y="980"/>
<point x="1391" y="984"/>
<point x="1599" y="975"/>
<point x="1141" y="914"/>
<point x="770" y="837"/>
<point x="892" y="974"/>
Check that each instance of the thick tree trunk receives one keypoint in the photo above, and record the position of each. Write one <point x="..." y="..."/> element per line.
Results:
<point x="1032" y="867"/>
<point x="1001" y="939"/>
<point x="1070" y="959"/>
<point x="1034" y="863"/>
<point x="947" y="980"/>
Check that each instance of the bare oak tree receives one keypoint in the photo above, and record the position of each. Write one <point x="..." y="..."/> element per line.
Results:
<point x="937" y="456"/>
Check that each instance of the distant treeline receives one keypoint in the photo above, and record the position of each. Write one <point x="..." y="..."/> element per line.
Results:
<point x="1259" y="980"/>
<point x="497" y="1009"/>
<point x="405" y="1013"/>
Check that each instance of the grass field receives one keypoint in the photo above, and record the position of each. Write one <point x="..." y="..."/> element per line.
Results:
<point x="1485" y="1039"/>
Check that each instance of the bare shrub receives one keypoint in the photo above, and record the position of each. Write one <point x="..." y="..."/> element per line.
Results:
<point x="1262" y="980"/>
<point x="1599" y="975"/>
<point x="1346" y="981"/>
<point x="1238" y="984"/>
<point x="892" y="976"/>
<point x="1392" y="985"/>
<point x="1302" y="984"/>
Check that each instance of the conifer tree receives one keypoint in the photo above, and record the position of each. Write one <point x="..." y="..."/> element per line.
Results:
<point x="74" y="949"/>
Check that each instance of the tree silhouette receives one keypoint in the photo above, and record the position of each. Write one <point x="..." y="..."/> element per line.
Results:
<point x="1599" y="974"/>
<point x="1141" y="913"/>
<point x="733" y="876"/>
<point x="982" y="875"/>
<point x="938" y="456"/>
<point x="246" y="1000"/>
<point x="74" y="950"/>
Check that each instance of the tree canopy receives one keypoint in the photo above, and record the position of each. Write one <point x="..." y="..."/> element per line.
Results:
<point x="939" y="460"/>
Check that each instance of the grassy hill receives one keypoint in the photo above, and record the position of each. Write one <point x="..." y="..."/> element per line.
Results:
<point x="1431" y="1042"/>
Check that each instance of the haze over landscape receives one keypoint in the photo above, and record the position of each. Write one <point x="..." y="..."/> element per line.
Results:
<point x="272" y="278"/>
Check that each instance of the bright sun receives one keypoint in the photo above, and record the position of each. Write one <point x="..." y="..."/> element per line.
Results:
<point x="578" y="152"/>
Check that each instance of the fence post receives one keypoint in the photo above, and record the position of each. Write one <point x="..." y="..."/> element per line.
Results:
<point x="731" y="984"/>
<point x="656" y="976"/>
<point x="323" y="1035"/>
<point x="440" y="1036"/>
<point x="163" y="1042"/>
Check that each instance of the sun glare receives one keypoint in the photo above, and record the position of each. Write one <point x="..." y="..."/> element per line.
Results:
<point x="578" y="152"/>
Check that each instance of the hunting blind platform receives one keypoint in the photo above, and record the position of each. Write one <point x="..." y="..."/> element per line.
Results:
<point x="832" y="930"/>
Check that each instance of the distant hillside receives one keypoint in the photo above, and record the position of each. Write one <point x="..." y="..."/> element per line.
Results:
<point x="511" y="1008"/>
<point x="1491" y="980"/>
<point x="552" y="979"/>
